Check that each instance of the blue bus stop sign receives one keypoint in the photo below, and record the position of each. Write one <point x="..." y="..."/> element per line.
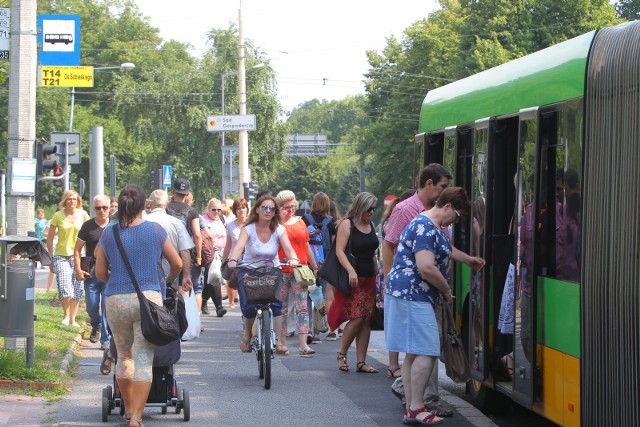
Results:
<point x="167" y="176"/>
<point x="59" y="40"/>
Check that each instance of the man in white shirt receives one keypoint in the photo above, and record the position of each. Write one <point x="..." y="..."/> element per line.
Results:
<point x="178" y="235"/>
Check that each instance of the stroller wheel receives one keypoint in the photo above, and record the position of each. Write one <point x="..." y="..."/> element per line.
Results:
<point x="187" y="405"/>
<point x="106" y="402"/>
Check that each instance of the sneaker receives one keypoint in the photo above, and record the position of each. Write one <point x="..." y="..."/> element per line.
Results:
<point x="75" y="325"/>
<point x="95" y="336"/>
<point x="340" y="333"/>
<point x="331" y="336"/>
<point x="65" y="322"/>
<point x="221" y="311"/>
<point x="316" y="339"/>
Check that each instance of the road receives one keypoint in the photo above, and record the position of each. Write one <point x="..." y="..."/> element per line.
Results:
<point x="225" y="390"/>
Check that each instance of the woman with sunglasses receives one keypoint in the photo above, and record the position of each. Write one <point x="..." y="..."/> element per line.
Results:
<point x="416" y="282"/>
<point x="67" y="222"/>
<point x="258" y="244"/>
<point x="212" y="225"/>
<point x="359" y="307"/>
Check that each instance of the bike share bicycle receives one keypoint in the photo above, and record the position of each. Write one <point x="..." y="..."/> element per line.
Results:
<point x="261" y="284"/>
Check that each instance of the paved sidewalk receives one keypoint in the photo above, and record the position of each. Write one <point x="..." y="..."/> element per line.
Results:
<point x="25" y="411"/>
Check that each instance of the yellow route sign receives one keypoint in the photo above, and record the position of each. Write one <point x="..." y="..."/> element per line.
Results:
<point x="50" y="75"/>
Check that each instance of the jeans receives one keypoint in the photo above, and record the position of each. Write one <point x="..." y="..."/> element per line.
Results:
<point x="96" y="307"/>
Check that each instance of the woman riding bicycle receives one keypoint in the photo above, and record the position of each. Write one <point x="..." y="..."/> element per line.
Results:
<point x="259" y="239"/>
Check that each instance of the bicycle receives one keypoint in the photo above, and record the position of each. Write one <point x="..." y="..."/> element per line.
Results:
<point x="261" y="284"/>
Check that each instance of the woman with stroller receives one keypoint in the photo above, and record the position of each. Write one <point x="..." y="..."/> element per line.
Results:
<point x="144" y="244"/>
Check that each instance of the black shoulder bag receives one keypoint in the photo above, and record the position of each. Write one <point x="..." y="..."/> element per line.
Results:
<point x="159" y="325"/>
<point x="333" y="272"/>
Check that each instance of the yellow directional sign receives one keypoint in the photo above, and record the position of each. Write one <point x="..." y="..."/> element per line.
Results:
<point x="50" y="75"/>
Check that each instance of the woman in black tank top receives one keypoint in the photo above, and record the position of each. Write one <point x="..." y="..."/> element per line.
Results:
<point x="359" y="307"/>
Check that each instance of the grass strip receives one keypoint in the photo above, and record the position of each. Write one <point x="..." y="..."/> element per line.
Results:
<point x="52" y="341"/>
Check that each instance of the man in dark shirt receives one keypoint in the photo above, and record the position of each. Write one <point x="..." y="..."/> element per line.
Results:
<point x="88" y="237"/>
<point x="191" y="219"/>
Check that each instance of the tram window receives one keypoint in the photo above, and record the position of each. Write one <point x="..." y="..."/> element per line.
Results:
<point x="560" y="177"/>
<point x="450" y="157"/>
<point x="463" y="176"/>
<point x="434" y="149"/>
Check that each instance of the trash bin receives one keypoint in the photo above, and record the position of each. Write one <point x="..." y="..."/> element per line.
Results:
<point x="18" y="255"/>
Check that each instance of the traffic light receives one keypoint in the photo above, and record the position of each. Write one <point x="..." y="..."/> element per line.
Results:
<point x="58" y="171"/>
<point x="253" y="190"/>
<point x="156" y="179"/>
<point x="43" y="163"/>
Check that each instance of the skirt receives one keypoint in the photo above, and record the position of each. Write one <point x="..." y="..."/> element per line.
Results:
<point x="361" y="303"/>
<point x="411" y="327"/>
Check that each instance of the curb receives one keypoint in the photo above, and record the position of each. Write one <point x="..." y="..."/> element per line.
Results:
<point x="68" y="357"/>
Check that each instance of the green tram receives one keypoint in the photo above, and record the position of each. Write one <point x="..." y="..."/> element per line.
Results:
<point x="548" y="148"/>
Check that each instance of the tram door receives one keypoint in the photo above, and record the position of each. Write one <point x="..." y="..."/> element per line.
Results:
<point x="476" y="332"/>
<point x="527" y="218"/>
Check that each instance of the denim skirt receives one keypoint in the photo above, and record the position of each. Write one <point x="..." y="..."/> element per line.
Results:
<point x="410" y="327"/>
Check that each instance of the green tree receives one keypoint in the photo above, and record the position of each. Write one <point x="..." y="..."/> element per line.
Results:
<point x="628" y="9"/>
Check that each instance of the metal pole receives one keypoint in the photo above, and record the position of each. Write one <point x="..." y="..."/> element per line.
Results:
<point x="223" y="189"/>
<point x="67" y="166"/>
<point x="96" y="163"/>
<point x="3" y="200"/>
<point x="112" y="175"/>
<point x="243" y="136"/>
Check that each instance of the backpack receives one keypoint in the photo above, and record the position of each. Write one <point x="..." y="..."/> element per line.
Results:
<point x="208" y="249"/>
<point x="319" y="238"/>
<point x="181" y="211"/>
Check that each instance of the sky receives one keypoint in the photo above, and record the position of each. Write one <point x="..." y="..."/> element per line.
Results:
<point x="316" y="47"/>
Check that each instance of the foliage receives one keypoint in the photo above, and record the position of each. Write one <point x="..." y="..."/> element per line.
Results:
<point x="628" y="9"/>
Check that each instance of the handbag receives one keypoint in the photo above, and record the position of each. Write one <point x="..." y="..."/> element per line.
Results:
<point x="304" y="275"/>
<point x="159" y="325"/>
<point x="453" y="354"/>
<point x="333" y="272"/>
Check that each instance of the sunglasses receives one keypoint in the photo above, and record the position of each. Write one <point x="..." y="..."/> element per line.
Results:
<point x="216" y="210"/>
<point x="267" y="208"/>
<point x="101" y="208"/>
<point x="289" y="208"/>
<point x="371" y="209"/>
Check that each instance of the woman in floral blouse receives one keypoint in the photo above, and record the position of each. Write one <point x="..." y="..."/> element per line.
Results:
<point x="416" y="281"/>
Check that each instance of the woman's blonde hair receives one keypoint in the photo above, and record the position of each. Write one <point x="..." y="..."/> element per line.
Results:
<point x="67" y="195"/>
<point x="284" y="196"/>
<point x="362" y="202"/>
<point x="214" y="201"/>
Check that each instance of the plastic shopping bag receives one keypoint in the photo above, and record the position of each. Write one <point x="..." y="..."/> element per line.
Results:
<point x="215" y="275"/>
<point x="193" y="317"/>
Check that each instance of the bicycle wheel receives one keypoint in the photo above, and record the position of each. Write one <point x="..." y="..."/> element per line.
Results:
<point x="266" y="347"/>
<point x="260" y="347"/>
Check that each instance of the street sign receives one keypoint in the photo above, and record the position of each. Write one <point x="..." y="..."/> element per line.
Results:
<point x="5" y="26"/>
<point x="167" y="176"/>
<point x="388" y="200"/>
<point x="59" y="139"/>
<point x="23" y="177"/>
<point x="231" y="123"/>
<point x="64" y="76"/>
<point x="59" y="39"/>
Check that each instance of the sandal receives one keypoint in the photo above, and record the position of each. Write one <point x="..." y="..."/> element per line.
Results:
<point x="414" y="417"/>
<point x="245" y="347"/>
<point x="105" y="368"/>
<point x="343" y="366"/>
<point x="370" y="370"/>
<point x="137" y="421"/>
<point x="282" y="350"/>
<point x="307" y="351"/>
<point x="391" y="373"/>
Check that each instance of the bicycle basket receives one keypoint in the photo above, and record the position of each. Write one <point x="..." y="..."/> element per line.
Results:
<point x="261" y="285"/>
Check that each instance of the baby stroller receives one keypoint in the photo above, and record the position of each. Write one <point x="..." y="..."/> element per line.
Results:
<point x="164" y="391"/>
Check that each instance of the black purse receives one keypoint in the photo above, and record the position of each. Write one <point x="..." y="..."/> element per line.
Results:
<point x="333" y="272"/>
<point x="159" y="324"/>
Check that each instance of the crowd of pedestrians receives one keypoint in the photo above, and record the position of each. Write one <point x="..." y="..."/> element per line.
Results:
<point x="169" y="243"/>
